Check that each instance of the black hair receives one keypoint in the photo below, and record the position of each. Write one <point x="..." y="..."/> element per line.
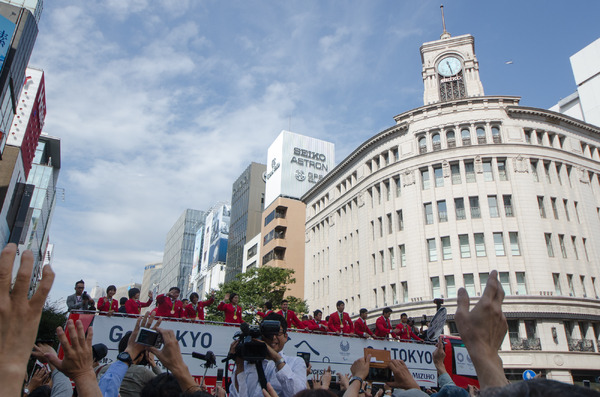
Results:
<point x="133" y="292"/>
<point x="340" y="303"/>
<point x="122" y="301"/>
<point x="304" y="317"/>
<point x="269" y="305"/>
<point x="539" y="387"/>
<point x="232" y="295"/>
<point x="174" y="288"/>
<point x="317" y="312"/>
<point x="404" y="314"/>
<point x="315" y="393"/>
<point x="79" y="282"/>
<point x="111" y="287"/>
<point x="285" y="301"/>
<point x="277" y="317"/>
<point x="387" y="310"/>
<point x="42" y="391"/>
<point x="162" y="385"/>
<point x="363" y="310"/>
<point x="194" y="294"/>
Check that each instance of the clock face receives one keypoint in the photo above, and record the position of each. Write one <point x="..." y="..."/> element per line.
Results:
<point x="449" y="66"/>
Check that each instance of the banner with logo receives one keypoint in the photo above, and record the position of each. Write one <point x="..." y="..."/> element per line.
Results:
<point x="7" y="28"/>
<point x="339" y="352"/>
<point x="464" y="365"/>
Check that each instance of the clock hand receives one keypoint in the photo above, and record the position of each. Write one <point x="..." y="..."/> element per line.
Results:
<point x="449" y="67"/>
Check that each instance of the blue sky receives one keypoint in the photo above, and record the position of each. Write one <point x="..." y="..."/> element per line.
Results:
<point x="160" y="105"/>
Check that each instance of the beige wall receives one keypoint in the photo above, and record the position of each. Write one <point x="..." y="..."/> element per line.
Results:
<point x="293" y="242"/>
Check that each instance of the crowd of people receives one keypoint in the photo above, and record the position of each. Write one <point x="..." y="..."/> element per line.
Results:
<point x="482" y="330"/>
<point x="169" y="306"/>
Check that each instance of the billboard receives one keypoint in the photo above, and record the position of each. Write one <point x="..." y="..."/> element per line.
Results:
<point x="216" y="235"/>
<point x="295" y="164"/>
<point x="7" y="28"/>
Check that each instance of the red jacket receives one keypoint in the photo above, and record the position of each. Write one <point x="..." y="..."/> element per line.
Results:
<point x="291" y="318"/>
<point x="197" y="312"/>
<point x="233" y="314"/>
<point x="361" y="329"/>
<point x="106" y="305"/>
<point x="335" y="325"/>
<point x="405" y="332"/>
<point x="133" y="306"/>
<point x="383" y="327"/>
<point x="313" y="326"/>
<point x="167" y="308"/>
<point x="263" y="315"/>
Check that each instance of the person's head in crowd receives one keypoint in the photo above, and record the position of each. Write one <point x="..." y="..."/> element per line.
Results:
<point x="111" y="290"/>
<point x="340" y="305"/>
<point x="411" y="322"/>
<point x="277" y="341"/>
<point x="42" y="391"/>
<point x="122" y="301"/>
<point x="539" y="387"/>
<point x="174" y="293"/>
<point x="404" y="318"/>
<point x="134" y="293"/>
<point x="79" y="287"/>
<point x="327" y="318"/>
<point x="194" y="297"/>
<point x="304" y="317"/>
<point x="99" y="351"/>
<point x="318" y="315"/>
<point x="163" y="385"/>
<point x="364" y="313"/>
<point x="268" y="305"/>
<point x="234" y="298"/>
<point x="316" y="393"/>
<point x="185" y="302"/>
<point x="285" y="305"/>
<point x="387" y="312"/>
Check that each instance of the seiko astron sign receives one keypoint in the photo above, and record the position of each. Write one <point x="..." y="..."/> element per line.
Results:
<point x="295" y="163"/>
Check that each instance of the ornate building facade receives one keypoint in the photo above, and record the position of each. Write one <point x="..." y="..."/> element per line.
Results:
<point x="461" y="186"/>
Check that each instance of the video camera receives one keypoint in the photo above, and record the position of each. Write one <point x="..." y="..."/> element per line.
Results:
<point x="252" y="350"/>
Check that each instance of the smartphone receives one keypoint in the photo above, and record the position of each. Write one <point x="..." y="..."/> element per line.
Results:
<point x="149" y="337"/>
<point x="379" y="375"/>
<point x="220" y="375"/>
<point x="305" y="356"/>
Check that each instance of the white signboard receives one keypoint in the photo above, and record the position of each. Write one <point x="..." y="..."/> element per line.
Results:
<point x="295" y="163"/>
<point x="464" y="365"/>
<point x="325" y="350"/>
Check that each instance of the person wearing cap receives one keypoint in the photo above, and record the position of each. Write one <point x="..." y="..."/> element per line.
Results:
<point x="233" y="311"/>
<point x="169" y="305"/>
<point x="108" y="304"/>
<point x="133" y="305"/>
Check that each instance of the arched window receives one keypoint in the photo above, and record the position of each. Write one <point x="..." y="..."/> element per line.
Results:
<point x="466" y="136"/>
<point x="423" y="145"/>
<point x="496" y="134"/>
<point x="437" y="142"/>
<point x="481" y="135"/>
<point x="450" y="138"/>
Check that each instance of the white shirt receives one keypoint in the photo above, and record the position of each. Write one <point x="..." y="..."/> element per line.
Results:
<point x="288" y="381"/>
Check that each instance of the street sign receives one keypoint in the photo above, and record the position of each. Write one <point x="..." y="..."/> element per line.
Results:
<point x="528" y="374"/>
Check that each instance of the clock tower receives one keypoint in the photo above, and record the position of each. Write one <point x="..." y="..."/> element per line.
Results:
<point x="450" y="68"/>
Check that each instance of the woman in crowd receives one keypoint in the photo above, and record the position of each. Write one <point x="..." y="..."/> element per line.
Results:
<point x="108" y="304"/>
<point x="133" y="305"/>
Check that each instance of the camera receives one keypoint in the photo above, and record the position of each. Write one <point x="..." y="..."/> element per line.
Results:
<point x="379" y="370"/>
<point x="149" y="337"/>
<point x="85" y="296"/>
<point x="252" y="350"/>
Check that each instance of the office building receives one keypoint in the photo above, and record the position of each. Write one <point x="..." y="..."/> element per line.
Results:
<point x="179" y="252"/>
<point x="151" y="279"/>
<point x="463" y="185"/>
<point x="247" y="205"/>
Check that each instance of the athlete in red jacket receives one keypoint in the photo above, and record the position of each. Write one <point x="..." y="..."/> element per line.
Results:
<point x="339" y="321"/>
<point x="168" y="304"/>
<point x="133" y="305"/>
<point x="268" y="309"/>
<point x="383" y="325"/>
<point x="108" y="304"/>
<point x="233" y="311"/>
<point x="317" y="324"/>
<point x="195" y="310"/>
<point x="360" y="325"/>
<point x="404" y="331"/>
<point x="289" y="315"/>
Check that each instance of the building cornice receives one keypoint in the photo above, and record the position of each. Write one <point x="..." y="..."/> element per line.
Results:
<point x="516" y="111"/>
